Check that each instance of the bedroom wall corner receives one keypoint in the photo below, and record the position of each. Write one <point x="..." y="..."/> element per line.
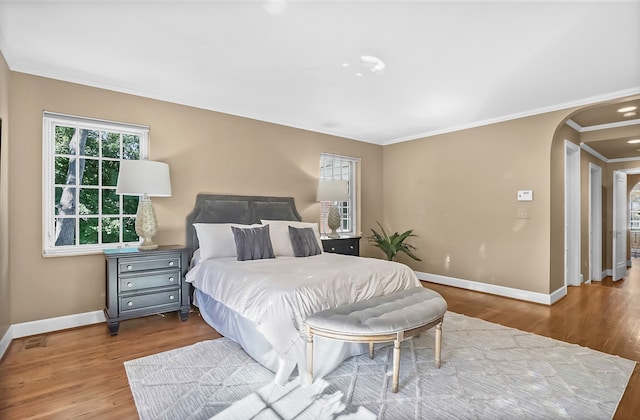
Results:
<point x="5" y="286"/>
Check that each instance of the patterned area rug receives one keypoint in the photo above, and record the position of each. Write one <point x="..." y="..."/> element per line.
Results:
<point x="488" y="372"/>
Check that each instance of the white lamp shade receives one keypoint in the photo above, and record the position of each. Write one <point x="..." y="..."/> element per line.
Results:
<point x="138" y="177"/>
<point x="332" y="190"/>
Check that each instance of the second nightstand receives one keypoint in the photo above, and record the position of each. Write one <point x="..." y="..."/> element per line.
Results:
<point x="347" y="245"/>
<point x="141" y="283"/>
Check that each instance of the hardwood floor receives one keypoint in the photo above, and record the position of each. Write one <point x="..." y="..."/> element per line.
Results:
<point x="79" y="373"/>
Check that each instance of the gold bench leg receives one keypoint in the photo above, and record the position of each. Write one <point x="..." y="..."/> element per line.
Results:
<point x="310" y="354"/>
<point x="370" y="350"/>
<point x="438" y="343"/>
<point x="396" y="365"/>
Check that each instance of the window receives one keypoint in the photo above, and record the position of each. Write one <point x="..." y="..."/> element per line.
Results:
<point x="81" y="157"/>
<point x="334" y="167"/>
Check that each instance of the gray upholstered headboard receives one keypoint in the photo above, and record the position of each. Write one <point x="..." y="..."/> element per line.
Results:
<point x="244" y="209"/>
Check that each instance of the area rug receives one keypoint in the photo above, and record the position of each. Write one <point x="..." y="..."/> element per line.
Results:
<point x="488" y="372"/>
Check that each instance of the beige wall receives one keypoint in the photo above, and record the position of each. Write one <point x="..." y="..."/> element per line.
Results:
<point x="206" y="151"/>
<point x="5" y="301"/>
<point x="458" y="191"/>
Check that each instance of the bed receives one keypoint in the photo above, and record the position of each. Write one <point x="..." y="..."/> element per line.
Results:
<point x="261" y="303"/>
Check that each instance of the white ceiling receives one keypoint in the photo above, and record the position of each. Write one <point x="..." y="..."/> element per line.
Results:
<point x="449" y="65"/>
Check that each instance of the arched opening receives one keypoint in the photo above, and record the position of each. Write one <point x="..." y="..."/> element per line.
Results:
<point x="596" y="194"/>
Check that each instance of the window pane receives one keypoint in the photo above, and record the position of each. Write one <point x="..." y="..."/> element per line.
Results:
<point x="57" y="200"/>
<point x="130" y="146"/>
<point x="89" y="172"/>
<point x="110" y="230"/>
<point x="91" y="146"/>
<point x="88" y="230"/>
<point x="110" y="173"/>
<point x="61" y="168"/>
<point x="65" y="231"/>
<point x="66" y="204"/>
<point x="63" y="138"/>
<point x="110" y="202"/>
<point x="88" y="201"/>
<point x="130" y="204"/>
<point x="111" y="145"/>
<point x="129" y="230"/>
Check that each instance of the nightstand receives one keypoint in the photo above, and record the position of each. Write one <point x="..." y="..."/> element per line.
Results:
<point x="141" y="283"/>
<point x="347" y="245"/>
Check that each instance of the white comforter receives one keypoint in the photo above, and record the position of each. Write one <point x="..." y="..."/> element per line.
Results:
<point x="278" y="294"/>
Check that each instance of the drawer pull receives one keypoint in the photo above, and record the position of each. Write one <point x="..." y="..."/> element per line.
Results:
<point x="171" y="263"/>
<point x="333" y="248"/>
<point x="171" y="279"/>
<point x="129" y="267"/>
<point x="171" y="297"/>
<point x="129" y="284"/>
<point x="351" y="247"/>
<point x="129" y="303"/>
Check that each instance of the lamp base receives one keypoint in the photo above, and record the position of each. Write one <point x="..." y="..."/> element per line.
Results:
<point x="147" y="245"/>
<point x="146" y="224"/>
<point x="333" y="221"/>
<point x="333" y="234"/>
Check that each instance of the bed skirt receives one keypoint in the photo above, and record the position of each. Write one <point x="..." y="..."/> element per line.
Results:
<point x="328" y="354"/>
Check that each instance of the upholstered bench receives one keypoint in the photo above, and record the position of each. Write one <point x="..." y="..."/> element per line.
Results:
<point x="393" y="317"/>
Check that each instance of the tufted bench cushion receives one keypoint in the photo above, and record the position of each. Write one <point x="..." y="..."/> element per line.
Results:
<point x="393" y="317"/>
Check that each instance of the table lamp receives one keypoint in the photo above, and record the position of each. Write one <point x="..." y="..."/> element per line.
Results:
<point x="144" y="178"/>
<point x="334" y="191"/>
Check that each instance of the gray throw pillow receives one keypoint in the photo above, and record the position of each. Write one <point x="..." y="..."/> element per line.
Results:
<point x="253" y="243"/>
<point x="304" y="242"/>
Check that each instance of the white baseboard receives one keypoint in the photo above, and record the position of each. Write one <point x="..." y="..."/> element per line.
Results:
<point x="5" y="342"/>
<point x="41" y="326"/>
<point x="494" y="289"/>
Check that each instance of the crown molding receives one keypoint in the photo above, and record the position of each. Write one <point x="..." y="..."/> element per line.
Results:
<point x="607" y="126"/>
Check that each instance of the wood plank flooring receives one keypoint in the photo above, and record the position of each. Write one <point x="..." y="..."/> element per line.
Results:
<point x="79" y="373"/>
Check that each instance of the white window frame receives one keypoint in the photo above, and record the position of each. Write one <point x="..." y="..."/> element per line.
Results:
<point x="348" y="212"/>
<point x="50" y="121"/>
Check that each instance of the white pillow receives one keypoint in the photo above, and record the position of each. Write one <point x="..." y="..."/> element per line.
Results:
<point x="216" y="239"/>
<point x="280" y="240"/>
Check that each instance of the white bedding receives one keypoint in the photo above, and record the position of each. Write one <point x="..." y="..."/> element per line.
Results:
<point x="277" y="294"/>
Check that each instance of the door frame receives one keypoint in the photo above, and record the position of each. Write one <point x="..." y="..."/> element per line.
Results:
<point x="619" y="231"/>
<point x="572" y="275"/>
<point x="595" y="223"/>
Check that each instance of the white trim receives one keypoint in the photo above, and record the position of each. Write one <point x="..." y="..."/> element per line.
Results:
<point x="41" y="326"/>
<point x="5" y="342"/>
<point x="25" y="329"/>
<point x="607" y="126"/>
<point x="494" y="289"/>
<point x="343" y="157"/>
<point x="629" y="159"/>
<point x="593" y="152"/>
<point x="573" y="125"/>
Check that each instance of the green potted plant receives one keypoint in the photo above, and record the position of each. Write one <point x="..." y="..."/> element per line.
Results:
<point x="393" y="244"/>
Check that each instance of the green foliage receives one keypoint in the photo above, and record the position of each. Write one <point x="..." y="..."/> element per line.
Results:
<point x="97" y="158"/>
<point x="393" y="244"/>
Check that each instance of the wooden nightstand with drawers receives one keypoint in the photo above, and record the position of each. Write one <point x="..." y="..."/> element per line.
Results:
<point x="141" y="283"/>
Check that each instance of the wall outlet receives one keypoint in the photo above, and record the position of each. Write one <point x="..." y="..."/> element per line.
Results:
<point x="522" y="214"/>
